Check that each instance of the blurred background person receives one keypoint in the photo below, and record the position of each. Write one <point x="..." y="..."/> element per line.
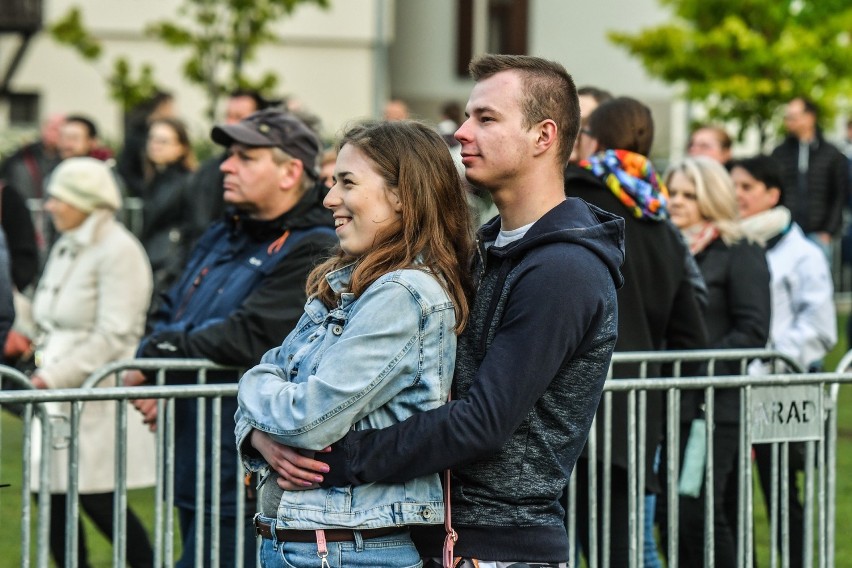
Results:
<point x="658" y="306"/>
<point x="89" y="309"/>
<point x="804" y="319"/>
<point x="396" y="109"/>
<point x="78" y="137"/>
<point x="130" y="163"/>
<point x="205" y="190"/>
<point x="590" y="98"/>
<point x="169" y="163"/>
<point x="703" y="206"/>
<point x="710" y="141"/>
<point x="28" y="167"/>
<point x="327" y="161"/>
<point x="815" y="175"/>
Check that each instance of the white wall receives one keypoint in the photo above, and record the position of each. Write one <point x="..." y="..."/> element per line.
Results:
<point x="326" y="59"/>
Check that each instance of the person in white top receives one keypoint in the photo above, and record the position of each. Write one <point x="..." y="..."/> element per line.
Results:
<point x="803" y="321"/>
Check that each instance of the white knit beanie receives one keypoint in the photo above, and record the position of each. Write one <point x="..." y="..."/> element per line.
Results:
<point x="85" y="183"/>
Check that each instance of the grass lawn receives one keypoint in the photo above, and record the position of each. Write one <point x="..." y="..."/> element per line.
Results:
<point x="142" y="501"/>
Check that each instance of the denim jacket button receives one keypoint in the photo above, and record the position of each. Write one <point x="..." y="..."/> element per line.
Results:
<point x="337" y="329"/>
<point x="427" y="513"/>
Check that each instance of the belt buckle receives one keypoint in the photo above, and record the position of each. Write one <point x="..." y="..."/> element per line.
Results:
<point x="256" y="522"/>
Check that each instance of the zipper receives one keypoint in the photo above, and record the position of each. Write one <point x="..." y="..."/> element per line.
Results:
<point x="188" y="296"/>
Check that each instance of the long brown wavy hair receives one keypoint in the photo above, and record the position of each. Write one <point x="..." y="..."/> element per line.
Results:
<point x="434" y="229"/>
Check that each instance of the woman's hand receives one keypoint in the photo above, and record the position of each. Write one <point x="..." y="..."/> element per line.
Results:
<point x="296" y="471"/>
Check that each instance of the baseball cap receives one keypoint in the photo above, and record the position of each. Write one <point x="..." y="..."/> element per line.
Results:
<point x="272" y="128"/>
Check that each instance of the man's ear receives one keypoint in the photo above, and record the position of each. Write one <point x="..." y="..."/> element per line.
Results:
<point x="291" y="173"/>
<point x="546" y="132"/>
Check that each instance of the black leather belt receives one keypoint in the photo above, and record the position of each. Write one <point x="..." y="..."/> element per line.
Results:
<point x="264" y="529"/>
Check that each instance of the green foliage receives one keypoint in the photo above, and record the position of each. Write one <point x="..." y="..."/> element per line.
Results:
<point x="124" y="88"/>
<point x="69" y="31"/>
<point x="744" y="59"/>
<point x="221" y="37"/>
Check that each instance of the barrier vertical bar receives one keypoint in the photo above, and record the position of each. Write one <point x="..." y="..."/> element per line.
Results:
<point x="216" y="481"/>
<point x="631" y="479"/>
<point x="808" y="528"/>
<point x="709" y="483"/>
<point x="773" y="510"/>
<point x="73" y="514"/>
<point x="607" y="482"/>
<point x="169" y="474"/>
<point x="592" y="553"/>
<point x="119" y="540"/>
<point x="785" y="504"/>
<point x="201" y="465"/>
<point x="159" y="512"/>
<point x="26" y="508"/>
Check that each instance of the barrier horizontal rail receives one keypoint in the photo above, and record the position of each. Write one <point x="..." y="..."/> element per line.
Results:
<point x="631" y="387"/>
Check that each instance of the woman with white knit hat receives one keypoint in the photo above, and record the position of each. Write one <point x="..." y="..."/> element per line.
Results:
<point x="89" y="309"/>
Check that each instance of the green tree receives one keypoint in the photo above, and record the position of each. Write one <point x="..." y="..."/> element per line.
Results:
<point x="222" y="36"/>
<point x="745" y="58"/>
<point x="126" y="86"/>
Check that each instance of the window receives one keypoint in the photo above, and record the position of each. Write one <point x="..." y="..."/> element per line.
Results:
<point x="504" y="23"/>
<point x="23" y="109"/>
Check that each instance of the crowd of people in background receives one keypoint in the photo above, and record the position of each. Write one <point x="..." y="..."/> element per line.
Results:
<point x="720" y="251"/>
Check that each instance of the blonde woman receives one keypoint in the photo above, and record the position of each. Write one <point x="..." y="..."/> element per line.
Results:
<point x="703" y="206"/>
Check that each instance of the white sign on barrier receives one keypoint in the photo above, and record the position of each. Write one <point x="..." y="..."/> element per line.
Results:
<point x="786" y="414"/>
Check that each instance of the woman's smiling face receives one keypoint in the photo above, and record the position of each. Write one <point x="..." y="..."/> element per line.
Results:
<point x="362" y="204"/>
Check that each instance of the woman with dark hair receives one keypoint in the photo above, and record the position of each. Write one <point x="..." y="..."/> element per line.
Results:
<point x="169" y="163"/>
<point x="376" y="343"/>
<point x="704" y="207"/>
<point x="804" y="320"/>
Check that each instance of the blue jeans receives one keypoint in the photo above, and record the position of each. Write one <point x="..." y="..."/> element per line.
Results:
<point x="391" y="551"/>
<point x="650" y="556"/>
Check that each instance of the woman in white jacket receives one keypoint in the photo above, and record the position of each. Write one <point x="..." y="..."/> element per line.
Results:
<point x="89" y="309"/>
<point x="803" y="321"/>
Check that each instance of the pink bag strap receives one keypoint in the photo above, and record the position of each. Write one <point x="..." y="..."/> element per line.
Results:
<point x="452" y="537"/>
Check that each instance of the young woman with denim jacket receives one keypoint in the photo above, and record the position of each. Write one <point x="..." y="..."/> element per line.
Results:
<point x="376" y="343"/>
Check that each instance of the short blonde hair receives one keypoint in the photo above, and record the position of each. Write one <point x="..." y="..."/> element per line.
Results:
<point x="714" y="194"/>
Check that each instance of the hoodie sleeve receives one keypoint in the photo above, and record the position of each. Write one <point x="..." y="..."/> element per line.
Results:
<point x="529" y="347"/>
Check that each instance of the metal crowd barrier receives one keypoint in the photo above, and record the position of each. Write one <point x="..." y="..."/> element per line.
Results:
<point x="164" y="532"/>
<point x="821" y="448"/>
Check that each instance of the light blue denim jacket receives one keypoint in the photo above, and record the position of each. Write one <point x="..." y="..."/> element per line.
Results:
<point x="369" y="363"/>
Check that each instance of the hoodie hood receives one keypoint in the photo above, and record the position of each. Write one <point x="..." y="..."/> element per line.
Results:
<point x="572" y="221"/>
<point x="632" y="179"/>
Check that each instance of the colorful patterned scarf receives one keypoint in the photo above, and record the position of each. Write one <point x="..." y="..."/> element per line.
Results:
<point x="632" y="179"/>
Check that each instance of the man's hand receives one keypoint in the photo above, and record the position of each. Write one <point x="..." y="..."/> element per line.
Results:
<point x="296" y="471"/>
<point x="146" y="406"/>
<point x="133" y="378"/>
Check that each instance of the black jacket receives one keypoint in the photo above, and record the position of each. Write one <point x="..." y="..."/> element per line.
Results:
<point x="21" y="237"/>
<point x="530" y="367"/>
<point x="827" y="184"/>
<point x="737" y="280"/>
<point x="164" y="212"/>
<point x="657" y="308"/>
<point x="242" y="292"/>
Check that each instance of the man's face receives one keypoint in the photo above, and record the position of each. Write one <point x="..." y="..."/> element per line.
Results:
<point x="753" y="196"/>
<point x="238" y="108"/>
<point x="253" y="180"/>
<point x="51" y="130"/>
<point x="797" y="121"/>
<point x="495" y="144"/>
<point x="705" y="142"/>
<point x="74" y="141"/>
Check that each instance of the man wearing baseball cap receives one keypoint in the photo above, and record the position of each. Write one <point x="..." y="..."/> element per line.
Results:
<point x="241" y="292"/>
